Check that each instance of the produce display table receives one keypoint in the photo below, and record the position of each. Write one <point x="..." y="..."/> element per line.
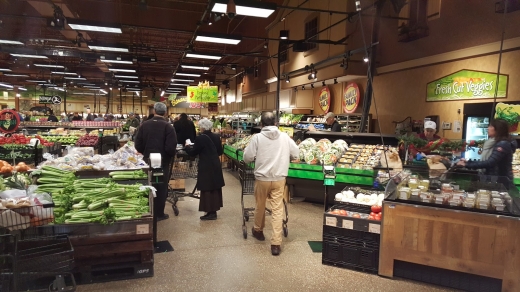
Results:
<point x="472" y="243"/>
<point x="117" y="251"/>
<point x="306" y="180"/>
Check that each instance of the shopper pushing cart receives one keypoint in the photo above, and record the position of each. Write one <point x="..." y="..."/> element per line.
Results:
<point x="271" y="151"/>
<point x="210" y="179"/>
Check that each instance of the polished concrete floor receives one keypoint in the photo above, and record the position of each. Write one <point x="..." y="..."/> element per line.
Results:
<point x="214" y="256"/>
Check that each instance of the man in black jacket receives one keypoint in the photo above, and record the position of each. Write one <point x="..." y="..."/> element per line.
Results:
<point x="156" y="135"/>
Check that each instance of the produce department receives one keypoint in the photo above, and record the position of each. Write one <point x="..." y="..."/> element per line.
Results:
<point x="138" y="137"/>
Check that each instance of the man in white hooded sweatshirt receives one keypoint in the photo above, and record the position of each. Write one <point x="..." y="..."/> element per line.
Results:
<point x="271" y="151"/>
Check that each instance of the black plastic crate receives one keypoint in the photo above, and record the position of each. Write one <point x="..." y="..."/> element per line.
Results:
<point x="350" y="248"/>
<point x="45" y="254"/>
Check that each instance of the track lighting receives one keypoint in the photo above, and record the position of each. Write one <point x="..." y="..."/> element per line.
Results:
<point x="287" y="79"/>
<point x="295" y="89"/>
<point x="312" y="85"/>
<point x="365" y="59"/>
<point x="323" y="83"/>
<point x="303" y="87"/>
<point x="335" y="80"/>
<point x="284" y="34"/>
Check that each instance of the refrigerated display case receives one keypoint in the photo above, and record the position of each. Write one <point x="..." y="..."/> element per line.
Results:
<point x="476" y="129"/>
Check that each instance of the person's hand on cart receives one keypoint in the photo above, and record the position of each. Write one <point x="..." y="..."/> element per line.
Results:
<point x="461" y="162"/>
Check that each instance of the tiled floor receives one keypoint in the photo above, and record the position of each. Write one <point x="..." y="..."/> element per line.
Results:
<point x="214" y="256"/>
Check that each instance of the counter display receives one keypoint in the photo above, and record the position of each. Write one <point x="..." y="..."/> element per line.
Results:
<point x="465" y="230"/>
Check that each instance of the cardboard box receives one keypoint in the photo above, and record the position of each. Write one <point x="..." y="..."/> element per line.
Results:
<point x="177" y="184"/>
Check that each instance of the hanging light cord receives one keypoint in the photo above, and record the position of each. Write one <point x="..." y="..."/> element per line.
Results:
<point x="499" y="59"/>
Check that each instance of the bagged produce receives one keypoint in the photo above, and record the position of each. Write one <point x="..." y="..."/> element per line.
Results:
<point x="311" y="157"/>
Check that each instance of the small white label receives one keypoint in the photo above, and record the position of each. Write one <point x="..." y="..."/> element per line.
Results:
<point x="331" y="221"/>
<point x="374" y="228"/>
<point x="142" y="229"/>
<point x="349" y="224"/>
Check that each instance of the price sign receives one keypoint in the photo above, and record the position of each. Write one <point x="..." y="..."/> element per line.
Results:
<point x="374" y="228"/>
<point x="348" y="224"/>
<point x="142" y="229"/>
<point x="331" y="221"/>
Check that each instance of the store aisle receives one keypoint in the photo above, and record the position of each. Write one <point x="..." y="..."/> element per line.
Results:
<point x="214" y="256"/>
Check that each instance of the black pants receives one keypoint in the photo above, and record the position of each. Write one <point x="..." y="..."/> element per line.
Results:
<point x="159" y="201"/>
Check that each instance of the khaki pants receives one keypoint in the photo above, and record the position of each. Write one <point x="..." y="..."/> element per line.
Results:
<point x="274" y="191"/>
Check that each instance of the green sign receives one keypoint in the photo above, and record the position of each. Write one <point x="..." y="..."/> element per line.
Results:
<point x="203" y="93"/>
<point x="467" y="84"/>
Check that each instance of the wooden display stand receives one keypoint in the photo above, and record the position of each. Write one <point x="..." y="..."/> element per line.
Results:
<point x="474" y="243"/>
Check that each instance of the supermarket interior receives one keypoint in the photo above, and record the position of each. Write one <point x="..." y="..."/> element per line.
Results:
<point x="404" y="115"/>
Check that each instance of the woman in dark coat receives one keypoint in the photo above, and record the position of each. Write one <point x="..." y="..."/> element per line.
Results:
<point x="210" y="179"/>
<point x="185" y="129"/>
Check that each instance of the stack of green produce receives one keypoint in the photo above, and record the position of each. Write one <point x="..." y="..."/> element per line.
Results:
<point x="91" y="200"/>
<point x="64" y="140"/>
<point x="128" y="174"/>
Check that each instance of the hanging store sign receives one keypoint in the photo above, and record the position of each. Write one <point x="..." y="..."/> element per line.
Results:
<point x="203" y="93"/>
<point x="9" y="121"/>
<point x="47" y="99"/>
<point x="467" y="84"/>
<point x="351" y="98"/>
<point x="324" y="99"/>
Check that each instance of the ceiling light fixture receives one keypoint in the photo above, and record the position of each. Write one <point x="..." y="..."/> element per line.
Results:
<point x="183" y="80"/>
<point x="9" y="70"/>
<point x="126" y="76"/>
<point x="365" y="59"/>
<point x="218" y="39"/>
<point x="6" y="85"/>
<point x="91" y="86"/>
<point x="49" y="66"/>
<point x="103" y="91"/>
<point x="16" y="75"/>
<point x="63" y="73"/>
<point x="335" y="80"/>
<point x="162" y="93"/>
<point x="77" y="24"/>
<point x="303" y="87"/>
<point x="75" y="78"/>
<point x="245" y="8"/>
<point x="36" y="81"/>
<point x="110" y="49"/>
<point x="8" y="42"/>
<point x="323" y="83"/>
<point x="94" y="88"/>
<point x="116" y="61"/>
<point x="179" y="84"/>
<point x="203" y="56"/>
<point x="284" y="34"/>
<point x="312" y="85"/>
<point x="287" y="80"/>
<point x="29" y="56"/>
<point x="188" y="74"/>
<point x="194" y="67"/>
<point x="121" y="70"/>
<point x="22" y="88"/>
<point x="130" y="81"/>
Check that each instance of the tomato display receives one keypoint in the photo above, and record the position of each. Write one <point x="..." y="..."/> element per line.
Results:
<point x="21" y="139"/>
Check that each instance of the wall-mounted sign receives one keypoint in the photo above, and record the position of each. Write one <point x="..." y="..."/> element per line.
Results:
<point x="48" y="99"/>
<point x="324" y="99"/>
<point x="467" y="84"/>
<point x="351" y="98"/>
<point x="9" y="121"/>
<point x="203" y="93"/>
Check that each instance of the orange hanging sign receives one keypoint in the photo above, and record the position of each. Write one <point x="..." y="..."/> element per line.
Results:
<point x="351" y="98"/>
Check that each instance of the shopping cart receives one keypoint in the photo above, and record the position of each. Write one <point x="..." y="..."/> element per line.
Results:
<point x="183" y="166"/>
<point x="247" y="181"/>
<point x="37" y="264"/>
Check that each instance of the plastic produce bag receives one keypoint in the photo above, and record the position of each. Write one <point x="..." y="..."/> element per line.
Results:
<point x="14" y="221"/>
<point x="13" y="194"/>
